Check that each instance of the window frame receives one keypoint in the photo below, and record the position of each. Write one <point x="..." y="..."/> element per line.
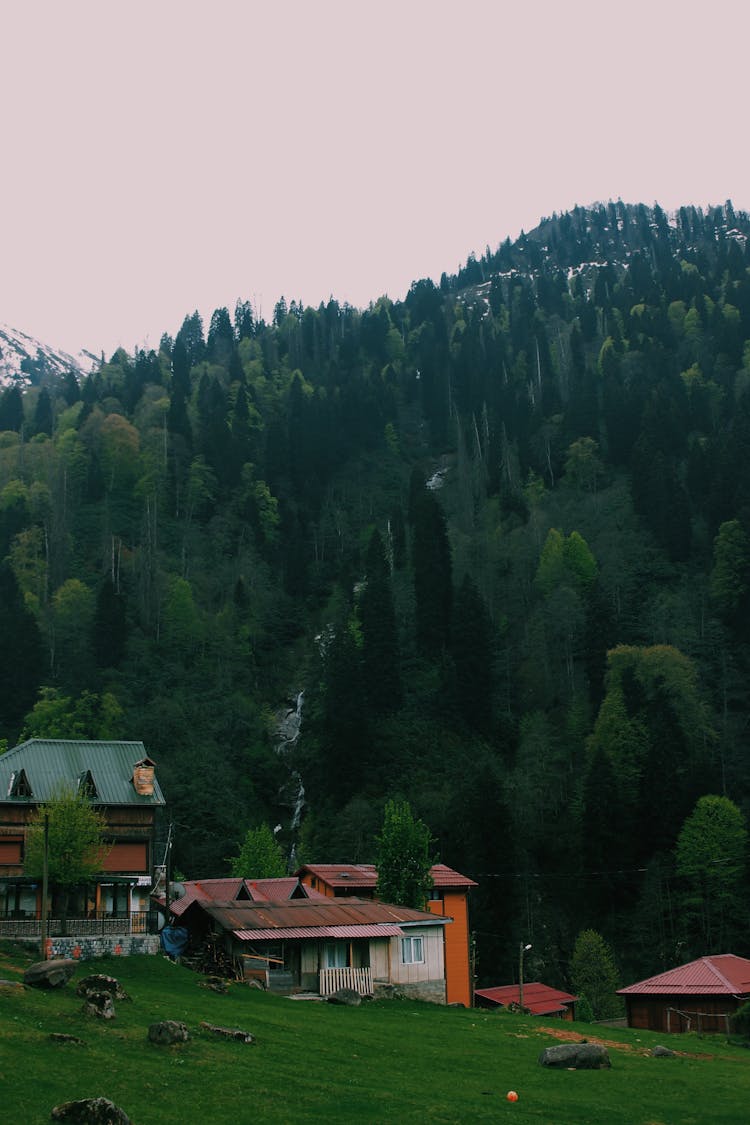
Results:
<point x="412" y="943"/>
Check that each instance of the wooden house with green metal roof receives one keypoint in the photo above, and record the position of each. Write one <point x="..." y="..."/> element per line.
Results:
<point x="119" y="779"/>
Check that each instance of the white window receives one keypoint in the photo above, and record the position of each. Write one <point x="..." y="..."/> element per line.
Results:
<point x="335" y="955"/>
<point x="412" y="950"/>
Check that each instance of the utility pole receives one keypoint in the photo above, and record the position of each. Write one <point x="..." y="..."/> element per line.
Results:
<point x="521" y="950"/>
<point x="45" y="881"/>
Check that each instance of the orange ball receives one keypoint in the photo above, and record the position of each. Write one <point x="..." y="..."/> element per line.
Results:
<point x="512" y="1096"/>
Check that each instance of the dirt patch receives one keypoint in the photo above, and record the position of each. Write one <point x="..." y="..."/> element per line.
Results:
<point x="576" y="1037"/>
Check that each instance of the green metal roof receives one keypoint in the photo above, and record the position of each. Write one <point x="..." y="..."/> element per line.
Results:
<point x="51" y="763"/>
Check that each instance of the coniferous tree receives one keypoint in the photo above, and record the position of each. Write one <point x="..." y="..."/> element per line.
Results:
<point x="472" y="655"/>
<point x="380" y="650"/>
<point x="22" y="659"/>
<point x="431" y="559"/>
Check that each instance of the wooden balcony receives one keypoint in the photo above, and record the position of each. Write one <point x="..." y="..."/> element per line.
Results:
<point x="136" y="922"/>
<point x="359" y="980"/>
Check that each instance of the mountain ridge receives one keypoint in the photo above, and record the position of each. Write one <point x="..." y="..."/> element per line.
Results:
<point x="27" y="361"/>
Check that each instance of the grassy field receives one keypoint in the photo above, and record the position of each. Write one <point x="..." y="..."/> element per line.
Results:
<point x="390" y="1061"/>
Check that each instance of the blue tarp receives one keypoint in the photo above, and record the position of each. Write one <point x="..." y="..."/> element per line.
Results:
<point x="173" y="940"/>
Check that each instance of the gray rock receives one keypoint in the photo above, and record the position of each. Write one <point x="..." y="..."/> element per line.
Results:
<point x="168" y="1031"/>
<point x="69" y="1040"/>
<point x="50" y="974"/>
<point x="99" y="1004"/>
<point x="660" y="1052"/>
<point x="91" y="1111"/>
<point x="576" y="1056"/>
<point x="100" y="982"/>
<point x="229" y="1032"/>
<point x="11" y="986"/>
<point x="347" y="996"/>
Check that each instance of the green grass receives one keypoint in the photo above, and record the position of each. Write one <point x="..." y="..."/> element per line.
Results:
<point x="391" y="1061"/>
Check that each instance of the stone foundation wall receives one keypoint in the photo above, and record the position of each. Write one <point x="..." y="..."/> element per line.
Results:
<point x="87" y="948"/>
<point x="431" y="990"/>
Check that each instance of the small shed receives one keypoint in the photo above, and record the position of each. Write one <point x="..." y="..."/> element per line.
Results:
<point x="700" y="996"/>
<point x="538" y="998"/>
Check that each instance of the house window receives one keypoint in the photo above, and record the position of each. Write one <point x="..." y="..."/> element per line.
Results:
<point x="11" y="851"/>
<point x="335" y="954"/>
<point x="19" y="785"/>
<point x="412" y="950"/>
<point x="86" y="786"/>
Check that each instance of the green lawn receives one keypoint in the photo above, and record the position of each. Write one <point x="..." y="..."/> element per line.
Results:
<point x="391" y="1061"/>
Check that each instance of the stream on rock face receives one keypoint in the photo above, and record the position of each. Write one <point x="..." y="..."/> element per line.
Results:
<point x="292" y="791"/>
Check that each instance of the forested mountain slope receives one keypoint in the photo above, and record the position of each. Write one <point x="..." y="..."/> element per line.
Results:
<point x="497" y="532"/>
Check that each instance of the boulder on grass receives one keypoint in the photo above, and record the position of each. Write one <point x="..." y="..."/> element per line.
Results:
<point x="100" y="982"/>
<point x="576" y="1056"/>
<point x="99" y="1004"/>
<point x="348" y="996"/>
<point x="168" y="1032"/>
<point x="229" y="1032"/>
<point x="91" y="1111"/>
<point x="660" y="1052"/>
<point x="50" y="974"/>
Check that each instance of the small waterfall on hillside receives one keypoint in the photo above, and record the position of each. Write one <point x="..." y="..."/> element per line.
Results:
<point x="292" y="792"/>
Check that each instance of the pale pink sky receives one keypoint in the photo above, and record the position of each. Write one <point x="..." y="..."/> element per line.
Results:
<point x="160" y="156"/>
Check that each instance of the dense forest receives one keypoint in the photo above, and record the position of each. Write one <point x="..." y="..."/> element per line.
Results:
<point x="493" y="542"/>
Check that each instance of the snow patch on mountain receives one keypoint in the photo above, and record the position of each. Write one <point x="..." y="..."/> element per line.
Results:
<point x="26" y="361"/>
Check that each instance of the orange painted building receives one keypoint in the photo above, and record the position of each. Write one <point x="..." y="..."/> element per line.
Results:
<point x="449" y="898"/>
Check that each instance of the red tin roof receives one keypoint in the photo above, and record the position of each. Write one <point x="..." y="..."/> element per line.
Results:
<point x="540" y="999"/>
<point x="721" y="975"/>
<point x="362" y="875"/>
<point x="226" y="890"/>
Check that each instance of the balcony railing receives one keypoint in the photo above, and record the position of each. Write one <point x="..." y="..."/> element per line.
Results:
<point x="359" y="980"/>
<point x="136" y="922"/>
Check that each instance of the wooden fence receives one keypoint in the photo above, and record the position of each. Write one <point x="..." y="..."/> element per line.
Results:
<point x="359" y="980"/>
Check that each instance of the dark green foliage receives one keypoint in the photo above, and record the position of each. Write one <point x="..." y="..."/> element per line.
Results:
<point x="22" y="662"/>
<point x="431" y="560"/>
<point x="472" y="653"/>
<point x="556" y="716"/>
<point x="380" y="652"/>
<point x="403" y="857"/>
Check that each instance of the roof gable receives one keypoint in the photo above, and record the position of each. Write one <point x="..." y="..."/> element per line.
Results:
<point x="51" y="763"/>
<point x="721" y="975"/>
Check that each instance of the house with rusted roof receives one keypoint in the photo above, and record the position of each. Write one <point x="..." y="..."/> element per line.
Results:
<point x="320" y="944"/>
<point x="537" y="998"/>
<point x="701" y="995"/>
<point x="448" y="898"/>
<point x="119" y="780"/>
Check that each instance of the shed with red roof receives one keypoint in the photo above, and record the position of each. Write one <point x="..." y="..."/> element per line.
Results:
<point x="539" y="999"/>
<point x="699" y="996"/>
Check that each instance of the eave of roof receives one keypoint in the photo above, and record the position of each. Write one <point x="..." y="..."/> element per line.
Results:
<point x="289" y="933"/>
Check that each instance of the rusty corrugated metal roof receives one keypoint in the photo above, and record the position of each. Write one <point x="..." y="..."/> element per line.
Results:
<point x="720" y="975"/>
<point x="540" y="999"/>
<point x="307" y="913"/>
<point x="319" y="932"/>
